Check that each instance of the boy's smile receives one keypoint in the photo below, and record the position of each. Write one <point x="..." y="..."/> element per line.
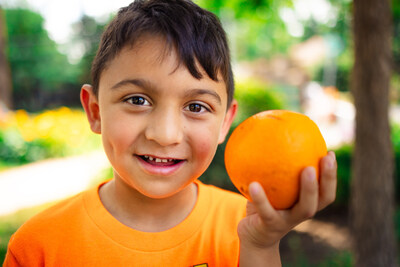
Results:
<point x="160" y="126"/>
<point x="159" y="166"/>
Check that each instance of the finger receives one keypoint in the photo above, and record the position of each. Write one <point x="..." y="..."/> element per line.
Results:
<point x="250" y="208"/>
<point x="328" y="183"/>
<point x="260" y="202"/>
<point x="307" y="205"/>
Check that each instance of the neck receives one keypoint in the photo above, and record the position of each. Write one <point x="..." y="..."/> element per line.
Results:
<point x="147" y="214"/>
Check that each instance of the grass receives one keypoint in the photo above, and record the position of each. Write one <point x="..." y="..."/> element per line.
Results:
<point x="6" y="165"/>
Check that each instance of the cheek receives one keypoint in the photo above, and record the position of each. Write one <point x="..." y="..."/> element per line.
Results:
<point x="206" y="144"/>
<point x="117" y="134"/>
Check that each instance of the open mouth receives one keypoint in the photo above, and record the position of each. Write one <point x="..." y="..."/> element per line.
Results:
<point x="159" y="161"/>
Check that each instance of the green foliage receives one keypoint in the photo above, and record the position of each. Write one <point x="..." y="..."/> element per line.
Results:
<point x="38" y="68"/>
<point x="343" y="158"/>
<point x="340" y="31"/>
<point x="15" y="150"/>
<point x="395" y="133"/>
<point x="255" y="27"/>
<point x="242" y="8"/>
<point x="87" y="31"/>
<point x="27" y="137"/>
<point x="254" y="96"/>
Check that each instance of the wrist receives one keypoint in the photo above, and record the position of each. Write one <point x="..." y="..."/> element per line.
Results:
<point x="251" y="255"/>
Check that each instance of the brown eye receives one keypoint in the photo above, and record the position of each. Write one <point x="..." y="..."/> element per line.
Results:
<point x="195" y="107"/>
<point x="137" y="100"/>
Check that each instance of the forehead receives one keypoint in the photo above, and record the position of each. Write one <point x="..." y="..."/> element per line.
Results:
<point x="149" y="57"/>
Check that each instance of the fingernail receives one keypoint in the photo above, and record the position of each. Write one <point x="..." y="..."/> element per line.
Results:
<point x="254" y="188"/>
<point x="332" y="160"/>
<point x="310" y="174"/>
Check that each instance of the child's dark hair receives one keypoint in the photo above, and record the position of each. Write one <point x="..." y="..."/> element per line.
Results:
<point x="195" y="33"/>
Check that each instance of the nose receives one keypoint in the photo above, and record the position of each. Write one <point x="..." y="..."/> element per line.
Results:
<point x="165" y="128"/>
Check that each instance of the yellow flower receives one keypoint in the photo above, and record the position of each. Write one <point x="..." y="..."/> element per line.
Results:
<point x="66" y="127"/>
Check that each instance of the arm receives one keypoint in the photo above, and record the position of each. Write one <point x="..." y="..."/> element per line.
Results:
<point x="263" y="227"/>
<point x="10" y="259"/>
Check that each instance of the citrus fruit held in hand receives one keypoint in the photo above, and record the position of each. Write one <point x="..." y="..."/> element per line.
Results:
<point x="272" y="148"/>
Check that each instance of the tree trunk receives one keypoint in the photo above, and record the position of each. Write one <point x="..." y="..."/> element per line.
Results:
<point x="372" y="202"/>
<point x="5" y="75"/>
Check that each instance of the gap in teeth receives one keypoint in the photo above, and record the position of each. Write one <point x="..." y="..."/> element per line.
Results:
<point x="158" y="160"/>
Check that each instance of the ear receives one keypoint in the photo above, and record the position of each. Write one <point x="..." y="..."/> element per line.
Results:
<point x="90" y="104"/>
<point x="229" y="117"/>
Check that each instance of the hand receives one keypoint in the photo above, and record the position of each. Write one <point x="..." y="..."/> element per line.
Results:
<point x="263" y="227"/>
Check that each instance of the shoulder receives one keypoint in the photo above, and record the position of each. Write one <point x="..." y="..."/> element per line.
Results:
<point x="49" y="223"/>
<point x="54" y="230"/>
<point x="56" y="213"/>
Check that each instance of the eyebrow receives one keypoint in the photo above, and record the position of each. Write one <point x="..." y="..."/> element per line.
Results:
<point x="148" y="85"/>
<point x="138" y="82"/>
<point x="195" y="92"/>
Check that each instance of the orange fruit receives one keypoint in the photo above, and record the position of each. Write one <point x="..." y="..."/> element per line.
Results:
<point x="272" y="148"/>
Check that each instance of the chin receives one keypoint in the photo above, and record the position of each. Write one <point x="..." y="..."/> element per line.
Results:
<point x="160" y="191"/>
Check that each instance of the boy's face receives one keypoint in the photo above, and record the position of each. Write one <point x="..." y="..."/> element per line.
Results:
<point x="160" y="126"/>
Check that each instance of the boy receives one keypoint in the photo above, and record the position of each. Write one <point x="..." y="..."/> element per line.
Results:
<point x="162" y="101"/>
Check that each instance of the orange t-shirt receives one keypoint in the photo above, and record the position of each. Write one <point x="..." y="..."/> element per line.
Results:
<point x="80" y="232"/>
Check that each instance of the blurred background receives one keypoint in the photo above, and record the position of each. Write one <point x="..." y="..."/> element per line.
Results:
<point x="287" y="54"/>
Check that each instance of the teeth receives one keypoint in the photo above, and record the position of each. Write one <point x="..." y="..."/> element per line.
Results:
<point x="158" y="160"/>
